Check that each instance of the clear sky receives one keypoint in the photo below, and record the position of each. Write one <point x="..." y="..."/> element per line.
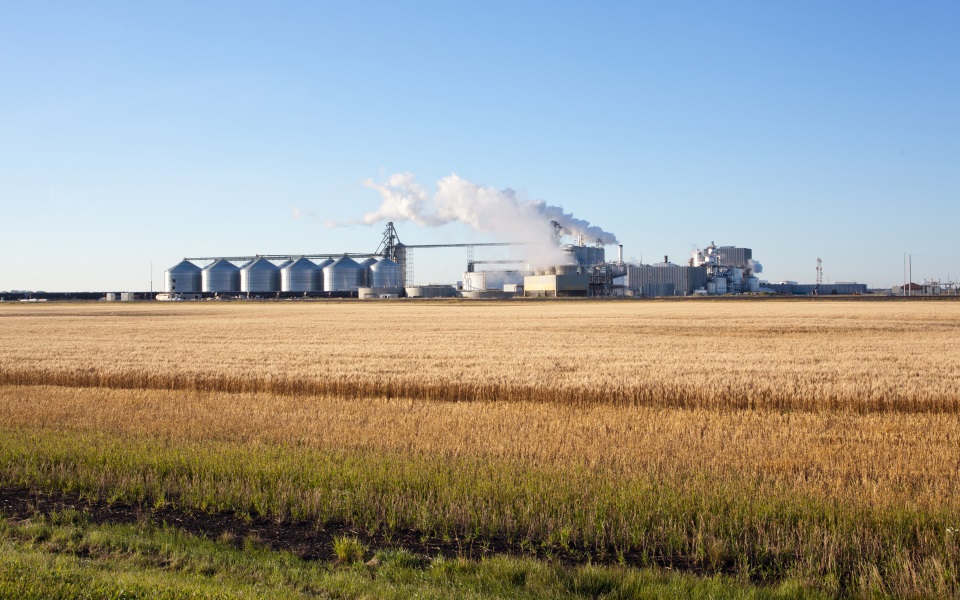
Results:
<point x="133" y="132"/>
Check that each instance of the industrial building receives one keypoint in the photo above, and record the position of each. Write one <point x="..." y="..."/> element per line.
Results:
<point x="387" y="273"/>
<point x="809" y="289"/>
<point x="557" y="282"/>
<point x="663" y="279"/>
<point x="929" y="287"/>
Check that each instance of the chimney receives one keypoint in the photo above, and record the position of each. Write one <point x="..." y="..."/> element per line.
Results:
<point x="620" y="253"/>
<point x="665" y="260"/>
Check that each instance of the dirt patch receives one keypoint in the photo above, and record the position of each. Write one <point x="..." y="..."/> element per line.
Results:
<point x="310" y="541"/>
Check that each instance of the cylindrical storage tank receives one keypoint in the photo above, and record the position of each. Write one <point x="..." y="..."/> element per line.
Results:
<point x="476" y="280"/>
<point x="385" y="274"/>
<point x="365" y="265"/>
<point x="183" y="277"/>
<point x="736" y="276"/>
<point x="320" y="267"/>
<point x="302" y="275"/>
<point x="431" y="291"/>
<point x="721" y="285"/>
<point x="753" y="284"/>
<point x="342" y="275"/>
<point x="260" y="275"/>
<point x="220" y="276"/>
<point x="711" y="288"/>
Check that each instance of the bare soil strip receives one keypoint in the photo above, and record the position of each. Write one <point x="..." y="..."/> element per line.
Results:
<point x="309" y="541"/>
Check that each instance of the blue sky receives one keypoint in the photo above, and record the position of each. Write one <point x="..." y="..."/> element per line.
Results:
<point x="139" y="132"/>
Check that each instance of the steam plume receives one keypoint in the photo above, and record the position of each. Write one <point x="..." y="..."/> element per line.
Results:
<point x="484" y="208"/>
<point x="755" y="266"/>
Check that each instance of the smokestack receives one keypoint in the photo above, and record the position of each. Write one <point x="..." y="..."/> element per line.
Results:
<point x="620" y="254"/>
<point x="665" y="259"/>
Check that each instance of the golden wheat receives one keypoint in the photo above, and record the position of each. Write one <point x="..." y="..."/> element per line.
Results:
<point x="864" y="357"/>
<point x="775" y="439"/>
<point x="875" y="460"/>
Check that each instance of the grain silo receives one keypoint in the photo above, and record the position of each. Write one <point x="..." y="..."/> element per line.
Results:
<point x="320" y="267"/>
<point x="220" y="276"/>
<point x="365" y="265"/>
<point x="183" y="278"/>
<point x="385" y="274"/>
<point x="302" y="275"/>
<point x="260" y="275"/>
<point x="343" y="275"/>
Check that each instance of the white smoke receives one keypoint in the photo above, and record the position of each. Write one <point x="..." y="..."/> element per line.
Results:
<point x="486" y="209"/>
<point x="483" y="208"/>
<point x="755" y="266"/>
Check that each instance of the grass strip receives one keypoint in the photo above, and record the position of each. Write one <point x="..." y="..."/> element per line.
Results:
<point x="574" y="513"/>
<point x="65" y="556"/>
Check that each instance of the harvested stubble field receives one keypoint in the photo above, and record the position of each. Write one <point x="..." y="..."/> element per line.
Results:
<point x="813" y="441"/>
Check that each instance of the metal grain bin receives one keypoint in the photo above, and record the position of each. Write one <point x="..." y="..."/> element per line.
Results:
<point x="260" y="275"/>
<point x="343" y="275"/>
<point x="183" y="277"/>
<point x="220" y="276"/>
<point x="320" y="267"/>
<point x="365" y="264"/>
<point x="385" y="274"/>
<point x="302" y="275"/>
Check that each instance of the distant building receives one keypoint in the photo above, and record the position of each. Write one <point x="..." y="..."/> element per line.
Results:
<point x="663" y="279"/>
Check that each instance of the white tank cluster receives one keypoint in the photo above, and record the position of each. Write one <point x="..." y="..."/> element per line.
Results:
<point x="478" y="281"/>
<point x="730" y="270"/>
<point x="294" y="274"/>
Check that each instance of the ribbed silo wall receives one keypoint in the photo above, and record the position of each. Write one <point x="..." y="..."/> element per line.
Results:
<point x="344" y="275"/>
<point x="221" y="276"/>
<point x="261" y="275"/>
<point x="385" y="274"/>
<point x="303" y="275"/>
<point x="185" y="277"/>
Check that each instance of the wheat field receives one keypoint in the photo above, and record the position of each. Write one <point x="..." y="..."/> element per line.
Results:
<point x="810" y="439"/>
<point x="861" y="357"/>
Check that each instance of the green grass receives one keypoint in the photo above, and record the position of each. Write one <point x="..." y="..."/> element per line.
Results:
<point x="71" y="558"/>
<point x="758" y="535"/>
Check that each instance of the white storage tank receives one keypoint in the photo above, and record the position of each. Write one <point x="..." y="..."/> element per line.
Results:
<point x="753" y="284"/>
<point x="721" y="285"/>
<point x="474" y="281"/>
